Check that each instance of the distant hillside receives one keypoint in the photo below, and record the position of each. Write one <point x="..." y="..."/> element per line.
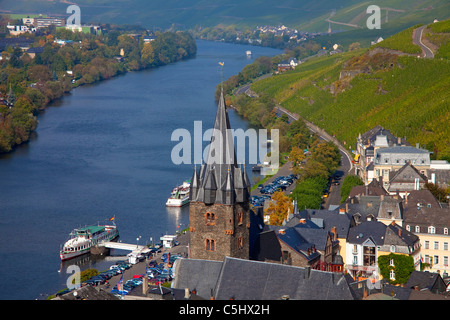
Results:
<point x="352" y="92"/>
<point x="302" y="14"/>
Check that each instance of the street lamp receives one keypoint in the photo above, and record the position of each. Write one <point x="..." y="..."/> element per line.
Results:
<point x="137" y="241"/>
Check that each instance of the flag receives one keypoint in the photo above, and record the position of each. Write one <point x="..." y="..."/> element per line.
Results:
<point x="112" y="219"/>
<point x="222" y="63"/>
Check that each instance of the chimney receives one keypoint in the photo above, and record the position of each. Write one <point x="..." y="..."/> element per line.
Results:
<point x="399" y="232"/>
<point x="341" y="210"/>
<point x="307" y="272"/>
<point x="302" y="220"/>
<point x="334" y="232"/>
<point x="399" y="141"/>
<point x="346" y="207"/>
<point x="282" y="231"/>
<point x="406" y="198"/>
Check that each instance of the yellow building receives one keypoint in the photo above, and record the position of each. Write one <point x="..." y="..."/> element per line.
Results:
<point x="424" y="216"/>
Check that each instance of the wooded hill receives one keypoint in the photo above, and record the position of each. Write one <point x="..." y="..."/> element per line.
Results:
<point x="352" y="92"/>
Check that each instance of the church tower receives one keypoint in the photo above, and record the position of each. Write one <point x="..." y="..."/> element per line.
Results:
<point x="219" y="213"/>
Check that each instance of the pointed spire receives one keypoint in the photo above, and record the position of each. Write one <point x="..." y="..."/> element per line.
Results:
<point x="228" y="189"/>
<point x="195" y="184"/>
<point x="210" y="188"/>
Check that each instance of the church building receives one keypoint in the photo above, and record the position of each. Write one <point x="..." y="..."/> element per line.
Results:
<point x="219" y="213"/>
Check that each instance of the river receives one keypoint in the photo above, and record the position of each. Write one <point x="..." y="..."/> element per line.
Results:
<point x="104" y="150"/>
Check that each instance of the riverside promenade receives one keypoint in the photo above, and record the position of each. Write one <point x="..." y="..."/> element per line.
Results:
<point x="140" y="267"/>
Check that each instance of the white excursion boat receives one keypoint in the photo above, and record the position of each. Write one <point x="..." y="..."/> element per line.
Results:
<point x="180" y="195"/>
<point x="248" y="53"/>
<point x="82" y="239"/>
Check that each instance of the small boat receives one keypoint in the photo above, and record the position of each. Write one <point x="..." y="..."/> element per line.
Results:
<point x="180" y="195"/>
<point x="248" y="53"/>
<point x="82" y="239"/>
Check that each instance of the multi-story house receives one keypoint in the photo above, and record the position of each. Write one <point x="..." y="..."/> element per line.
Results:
<point x="371" y="239"/>
<point x="405" y="180"/>
<point x="387" y="160"/>
<point x="424" y="216"/>
<point x="366" y="144"/>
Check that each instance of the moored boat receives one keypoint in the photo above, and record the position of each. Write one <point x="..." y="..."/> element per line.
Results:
<point x="82" y="239"/>
<point x="179" y="196"/>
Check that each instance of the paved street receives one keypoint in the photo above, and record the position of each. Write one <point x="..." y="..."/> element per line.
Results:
<point x="417" y="40"/>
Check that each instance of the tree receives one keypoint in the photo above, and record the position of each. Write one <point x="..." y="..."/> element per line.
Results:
<point x="308" y="192"/>
<point x="439" y="193"/>
<point x="347" y="185"/>
<point x="279" y="208"/>
<point x="147" y="55"/>
<point x="296" y="156"/>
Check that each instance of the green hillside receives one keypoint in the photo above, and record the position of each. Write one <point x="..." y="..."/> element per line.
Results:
<point x="352" y="92"/>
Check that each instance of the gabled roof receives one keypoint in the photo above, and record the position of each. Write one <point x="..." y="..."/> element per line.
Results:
<point x="372" y="230"/>
<point x="198" y="275"/>
<point x="370" y="136"/>
<point x="408" y="238"/>
<point x="399" y="175"/>
<point x="426" y="280"/>
<point x="241" y="279"/>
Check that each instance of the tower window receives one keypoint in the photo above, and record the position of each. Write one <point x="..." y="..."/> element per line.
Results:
<point x="210" y="245"/>
<point x="210" y="219"/>
<point x="240" y="242"/>
<point x="240" y="218"/>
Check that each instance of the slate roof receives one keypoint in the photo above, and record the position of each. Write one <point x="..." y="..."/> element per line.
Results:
<point x="200" y="275"/>
<point x="293" y="238"/>
<point x="253" y="280"/>
<point x="422" y="209"/>
<point x="363" y="206"/>
<point x="370" y="229"/>
<point x="426" y="280"/>
<point x="220" y="179"/>
<point x="407" y="237"/>
<point x="87" y="293"/>
<point x="369" y="136"/>
<point x="324" y="219"/>
<point x="399" y="175"/>
<point x="402" y="149"/>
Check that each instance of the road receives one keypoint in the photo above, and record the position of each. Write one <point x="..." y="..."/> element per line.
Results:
<point x="417" y="40"/>
<point x="334" y="196"/>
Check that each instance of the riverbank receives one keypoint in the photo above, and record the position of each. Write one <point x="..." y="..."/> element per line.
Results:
<point x="29" y="85"/>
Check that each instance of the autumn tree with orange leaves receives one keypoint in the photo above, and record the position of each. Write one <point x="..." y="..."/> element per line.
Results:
<point x="280" y="206"/>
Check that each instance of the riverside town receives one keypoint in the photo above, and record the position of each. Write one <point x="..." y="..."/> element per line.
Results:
<point x="201" y="155"/>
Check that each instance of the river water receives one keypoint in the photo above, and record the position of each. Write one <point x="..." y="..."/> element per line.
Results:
<point x="102" y="151"/>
